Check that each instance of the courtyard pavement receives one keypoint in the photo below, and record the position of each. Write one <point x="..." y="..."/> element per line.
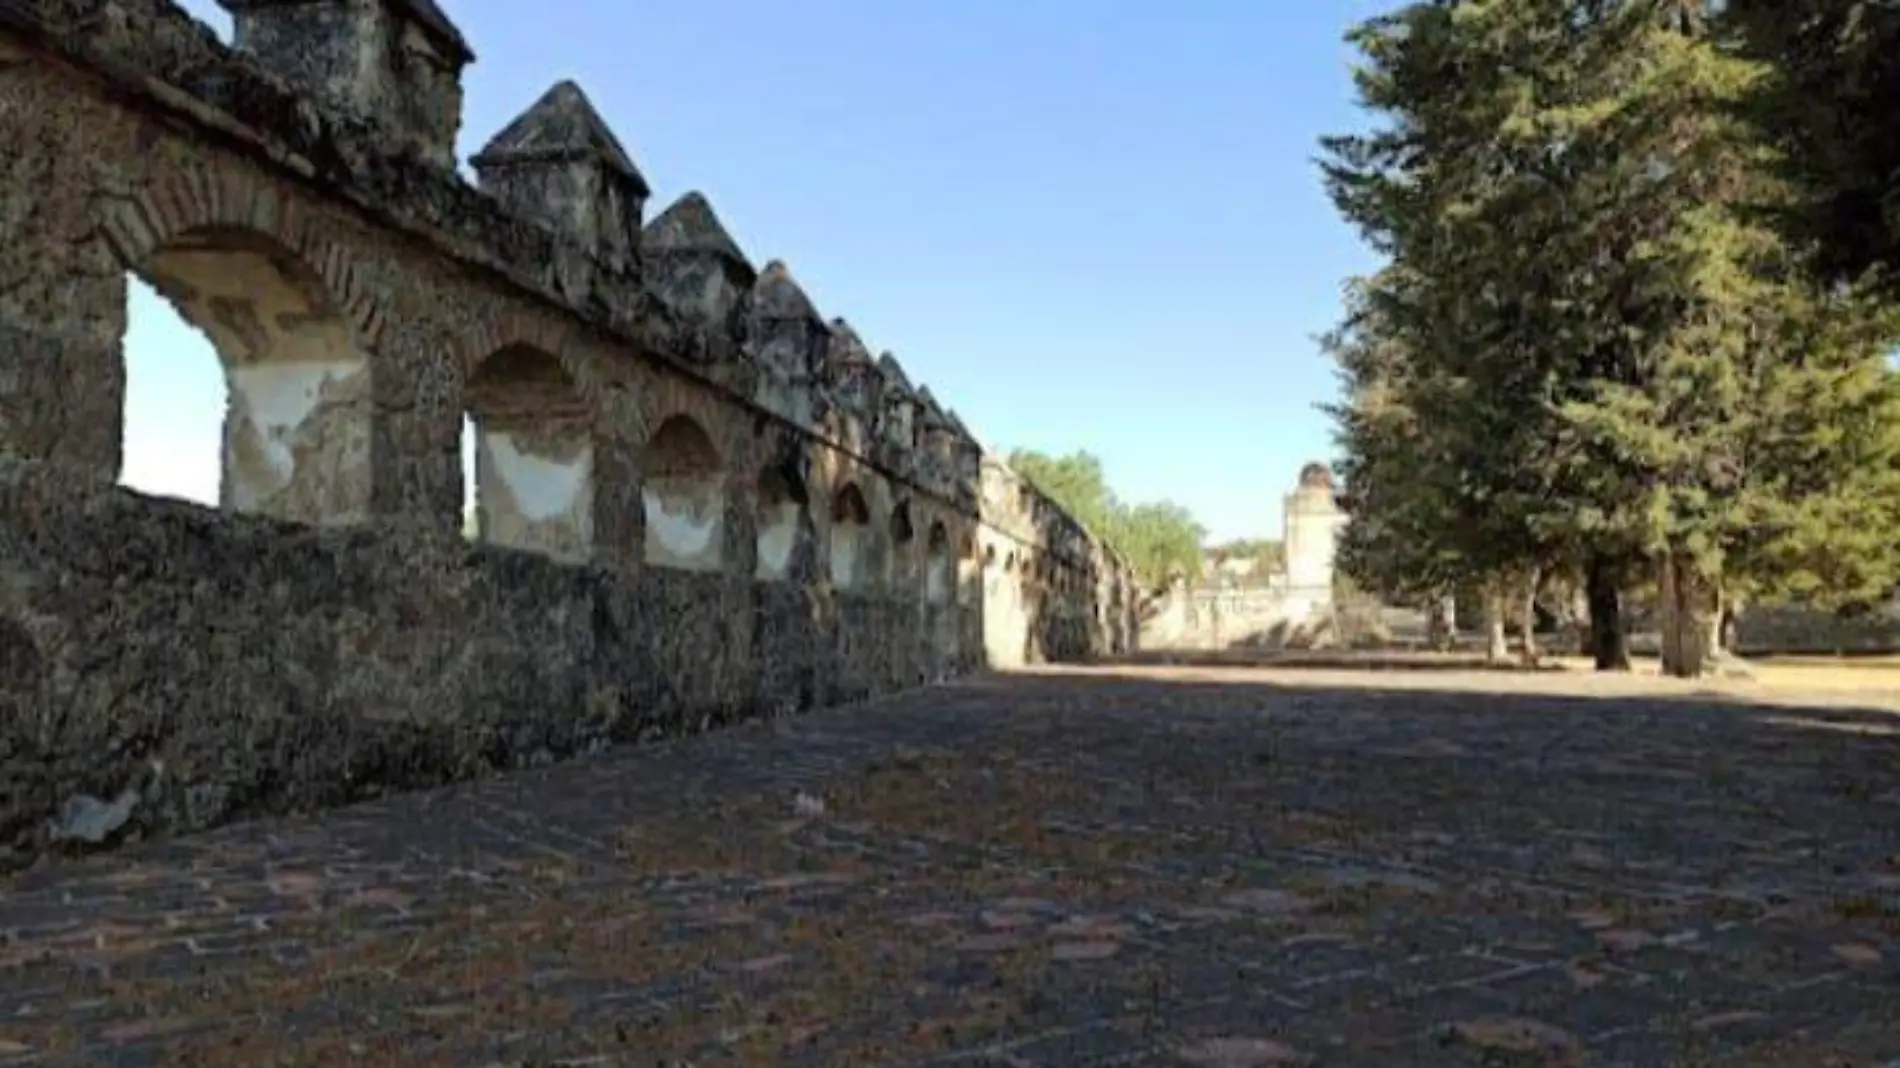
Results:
<point x="1225" y="868"/>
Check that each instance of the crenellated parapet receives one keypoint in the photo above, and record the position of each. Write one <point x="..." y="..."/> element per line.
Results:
<point x="398" y="63"/>
<point x="786" y="340"/>
<point x="695" y="495"/>
<point x="897" y="416"/>
<point x="364" y="96"/>
<point x="695" y="270"/>
<point x="558" y="164"/>
<point x="852" y="389"/>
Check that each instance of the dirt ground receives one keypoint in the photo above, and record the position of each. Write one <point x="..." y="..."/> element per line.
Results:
<point x="1364" y="864"/>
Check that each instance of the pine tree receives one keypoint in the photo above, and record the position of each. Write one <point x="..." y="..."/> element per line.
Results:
<point x="1602" y="333"/>
<point x="1446" y="189"/>
<point x="1833" y="106"/>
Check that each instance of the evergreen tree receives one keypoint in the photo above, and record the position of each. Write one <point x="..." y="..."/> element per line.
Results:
<point x="1603" y="337"/>
<point x="1399" y="540"/>
<point x="1833" y="105"/>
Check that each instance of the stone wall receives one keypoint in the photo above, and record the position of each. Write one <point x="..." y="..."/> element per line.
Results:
<point x="1272" y="615"/>
<point x="697" y="497"/>
<point x="1765" y="629"/>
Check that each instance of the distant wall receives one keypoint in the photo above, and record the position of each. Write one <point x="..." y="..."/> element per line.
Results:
<point x="1272" y="615"/>
<point x="1764" y="629"/>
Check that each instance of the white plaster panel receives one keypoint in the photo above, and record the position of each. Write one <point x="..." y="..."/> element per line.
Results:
<point x="541" y="488"/>
<point x="778" y="537"/>
<point x="682" y="532"/>
<point x="274" y="400"/>
<point x="847" y="550"/>
<point x="937" y="580"/>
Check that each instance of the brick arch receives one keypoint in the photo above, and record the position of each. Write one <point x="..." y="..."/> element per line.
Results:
<point x="195" y="198"/>
<point x="665" y="399"/>
<point x="285" y="310"/>
<point x="786" y="497"/>
<point x="544" y="335"/>
<point x="851" y="525"/>
<point x="684" y="494"/>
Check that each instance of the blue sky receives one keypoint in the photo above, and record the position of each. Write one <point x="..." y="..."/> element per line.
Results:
<point x="1084" y="223"/>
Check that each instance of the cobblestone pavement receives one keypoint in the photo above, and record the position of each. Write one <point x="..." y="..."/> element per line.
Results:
<point x="1068" y="869"/>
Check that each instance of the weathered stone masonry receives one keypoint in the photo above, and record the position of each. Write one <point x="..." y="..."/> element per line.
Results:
<point x="698" y="498"/>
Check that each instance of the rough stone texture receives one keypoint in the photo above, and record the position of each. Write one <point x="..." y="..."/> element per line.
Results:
<point x="1081" y="870"/>
<point x="560" y="163"/>
<point x="397" y="61"/>
<point x="665" y="435"/>
<point x="221" y="667"/>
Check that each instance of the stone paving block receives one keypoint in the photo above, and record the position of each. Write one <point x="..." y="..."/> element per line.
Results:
<point x="1064" y="870"/>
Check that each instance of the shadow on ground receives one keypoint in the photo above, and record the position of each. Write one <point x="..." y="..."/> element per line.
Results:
<point x="1073" y="868"/>
<point x="1422" y="660"/>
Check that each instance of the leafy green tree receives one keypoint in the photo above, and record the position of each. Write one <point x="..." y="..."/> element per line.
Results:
<point x="1161" y="540"/>
<point x="1075" y="482"/>
<point x="1267" y="555"/>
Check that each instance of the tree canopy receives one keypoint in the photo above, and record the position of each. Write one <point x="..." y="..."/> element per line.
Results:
<point x="1268" y="555"/>
<point x="1590" y="344"/>
<point x="1831" y="104"/>
<point x="1160" y="540"/>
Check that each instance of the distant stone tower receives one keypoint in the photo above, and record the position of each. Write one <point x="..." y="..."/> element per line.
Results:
<point x="1313" y="518"/>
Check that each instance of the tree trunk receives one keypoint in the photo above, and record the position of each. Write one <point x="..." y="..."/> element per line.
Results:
<point x="1497" y="647"/>
<point x="1580" y="621"/>
<point x="1529" y="608"/>
<point x="1683" y="599"/>
<point x="1438" y="623"/>
<point x="1716" y="640"/>
<point x="1609" y="633"/>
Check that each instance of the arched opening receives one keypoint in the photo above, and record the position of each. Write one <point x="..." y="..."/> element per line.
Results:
<point x="287" y="400"/>
<point x="685" y="498"/>
<point x="471" y="516"/>
<point x="783" y="520"/>
<point x="969" y="567"/>
<point x="176" y="398"/>
<point x="939" y="566"/>
<point x="850" y="536"/>
<point x="530" y="436"/>
<point x="902" y="564"/>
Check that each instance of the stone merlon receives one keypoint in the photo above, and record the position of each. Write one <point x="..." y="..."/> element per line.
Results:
<point x="694" y="267"/>
<point x="777" y="295"/>
<point x="893" y="372"/>
<point x="690" y="226"/>
<point x="397" y="62"/>
<point x="559" y="162"/>
<point x="931" y="412"/>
